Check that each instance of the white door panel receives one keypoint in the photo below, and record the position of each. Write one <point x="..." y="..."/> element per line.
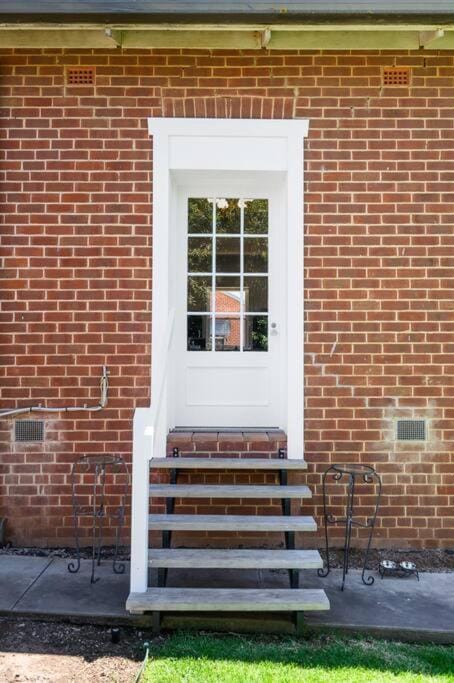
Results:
<point x="218" y="386"/>
<point x="230" y="312"/>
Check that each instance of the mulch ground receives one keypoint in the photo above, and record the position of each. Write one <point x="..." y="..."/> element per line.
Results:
<point x="438" y="560"/>
<point x="49" y="652"/>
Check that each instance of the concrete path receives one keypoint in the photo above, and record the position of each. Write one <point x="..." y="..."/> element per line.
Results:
<point x="17" y="575"/>
<point x="402" y="608"/>
<point x="396" y="607"/>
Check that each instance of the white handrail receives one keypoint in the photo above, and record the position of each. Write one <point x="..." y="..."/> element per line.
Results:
<point x="161" y="370"/>
<point x="149" y="439"/>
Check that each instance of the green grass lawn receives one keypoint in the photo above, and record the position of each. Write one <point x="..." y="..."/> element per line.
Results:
<point x="211" y="658"/>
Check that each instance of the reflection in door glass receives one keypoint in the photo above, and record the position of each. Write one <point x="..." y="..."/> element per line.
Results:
<point x="227" y="285"/>
<point x="255" y="294"/>
<point x="200" y="216"/>
<point x="199" y="333"/>
<point x="228" y="217"/>
<point x="228" y="294"/>
<point x="200" y="255"/>
<point x="227" y="333"/>
<point x="255" y="333"/>
<point x="256" y="216"/>
<point x="199" y="293"/>
<point x="255" y="254"/>
<point x="228" y="255"/>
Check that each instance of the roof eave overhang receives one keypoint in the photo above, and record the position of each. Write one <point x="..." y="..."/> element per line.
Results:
<point x="313" y="33"/>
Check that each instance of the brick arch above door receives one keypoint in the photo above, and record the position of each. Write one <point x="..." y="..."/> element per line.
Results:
<point x="229" y="107"/>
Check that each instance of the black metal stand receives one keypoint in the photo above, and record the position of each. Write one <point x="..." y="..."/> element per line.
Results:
<point x="294" y="575"/>
<point x="166" y="542"/>
<point x="95" y="467"/>
<point x="355" y="474"/>
<point x="286" y="510"/>
<point x="399" y="569"/>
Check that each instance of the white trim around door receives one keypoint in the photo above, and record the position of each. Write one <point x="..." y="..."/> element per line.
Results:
<point x="184" y="150"/>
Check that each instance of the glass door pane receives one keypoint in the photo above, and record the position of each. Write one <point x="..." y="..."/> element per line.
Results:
<point x="227" y="281"/>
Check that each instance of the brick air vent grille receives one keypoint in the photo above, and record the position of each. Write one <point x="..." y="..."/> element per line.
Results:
<point x="80" y="76"/>
<point x="396" y="76"/>
<point x="411" y="430"/>
<point x="29" y="430"/>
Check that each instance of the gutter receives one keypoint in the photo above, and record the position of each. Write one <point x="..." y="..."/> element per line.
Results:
<point x="230" y="20"/>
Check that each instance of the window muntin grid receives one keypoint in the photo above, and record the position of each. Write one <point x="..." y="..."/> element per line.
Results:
<point x="227" y="274"/>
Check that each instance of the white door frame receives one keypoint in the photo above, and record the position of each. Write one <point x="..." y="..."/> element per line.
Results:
<point x="232" y="145"/>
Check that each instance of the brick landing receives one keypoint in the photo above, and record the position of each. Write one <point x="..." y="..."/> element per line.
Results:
<point x="227" y="444"/>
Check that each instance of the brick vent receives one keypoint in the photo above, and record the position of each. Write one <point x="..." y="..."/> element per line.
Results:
<point x="29" y="430"/>
<point x="396" y="76"/>
<point x="411" y="430"/>
<point x="80" y="76"/>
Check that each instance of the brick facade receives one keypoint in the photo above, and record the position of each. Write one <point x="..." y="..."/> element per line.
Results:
<point x="76" y="243"/>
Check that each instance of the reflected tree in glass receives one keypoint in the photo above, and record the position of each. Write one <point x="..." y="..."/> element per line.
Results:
<point x="199" y="293"/>
<point x="200" y="215"/>
<point x="256" y="216"/>
<point x="228" y="218"/>
<point x="200" y="254"/>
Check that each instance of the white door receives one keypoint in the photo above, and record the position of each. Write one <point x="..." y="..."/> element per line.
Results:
<point x="230" y="307"/>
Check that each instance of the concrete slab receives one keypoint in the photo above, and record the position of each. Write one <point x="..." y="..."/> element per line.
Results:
<point x="390" y="606"/>
<point x="401" y="608"/>
<point x="17" y="574"/>
<point x="59" y="593"/>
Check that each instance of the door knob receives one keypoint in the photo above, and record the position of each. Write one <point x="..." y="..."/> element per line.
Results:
<point x="273" y="328"/>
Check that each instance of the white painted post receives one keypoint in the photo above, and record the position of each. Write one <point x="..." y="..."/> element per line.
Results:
<point x="160" y="272"/>
<point x="295" y="300"/>
<point x="143" y="436"/>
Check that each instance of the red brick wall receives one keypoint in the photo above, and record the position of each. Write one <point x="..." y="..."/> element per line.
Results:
<point x="75" y="183"/>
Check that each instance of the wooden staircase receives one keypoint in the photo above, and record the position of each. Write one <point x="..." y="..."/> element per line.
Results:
<point x="292" y="599"/>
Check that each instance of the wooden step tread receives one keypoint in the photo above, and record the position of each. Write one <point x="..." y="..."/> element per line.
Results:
<point x="231" y="523"/>
<point x="228" y="600"/>
<point x="228" y="463"/>
<point x="228" y="491"/>
<point x="235" y="558"/>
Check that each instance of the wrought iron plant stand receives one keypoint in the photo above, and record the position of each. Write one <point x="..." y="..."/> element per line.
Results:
<point x="95" y="468"/>
<point x="355" y="474"/>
